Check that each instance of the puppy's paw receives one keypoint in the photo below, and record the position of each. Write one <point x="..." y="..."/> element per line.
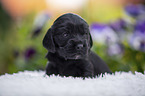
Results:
<point x="88" y="75"/>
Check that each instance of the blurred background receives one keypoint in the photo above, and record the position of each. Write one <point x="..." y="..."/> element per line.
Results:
<point x="117" y="28"/>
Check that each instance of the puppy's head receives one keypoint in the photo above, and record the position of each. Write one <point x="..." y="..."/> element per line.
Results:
<point x="69" y="36"/>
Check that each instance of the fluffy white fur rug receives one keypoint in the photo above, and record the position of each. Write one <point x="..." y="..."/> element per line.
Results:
<point x="33" y="83"/>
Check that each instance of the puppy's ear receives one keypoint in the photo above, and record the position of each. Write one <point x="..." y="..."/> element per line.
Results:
<point x="48" y="42"/>
<point x="91" y="41"/>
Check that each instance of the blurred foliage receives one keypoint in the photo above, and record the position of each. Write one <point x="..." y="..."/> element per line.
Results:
<point x="21" y="49"/>
<point x="15" y="40"/>
<point x="131" y="60"/>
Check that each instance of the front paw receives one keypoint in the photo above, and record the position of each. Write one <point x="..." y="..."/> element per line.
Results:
<point x="50" y="72"/>
<point x="88" y="74"/>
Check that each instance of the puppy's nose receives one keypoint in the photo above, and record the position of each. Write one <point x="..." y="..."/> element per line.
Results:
<point x="79" y="46"/>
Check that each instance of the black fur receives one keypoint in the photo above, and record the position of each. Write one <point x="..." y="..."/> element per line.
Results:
<point x="68" y="42"/>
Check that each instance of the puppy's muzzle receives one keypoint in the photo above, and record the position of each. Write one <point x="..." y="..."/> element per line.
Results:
<point x="79" y="46"/>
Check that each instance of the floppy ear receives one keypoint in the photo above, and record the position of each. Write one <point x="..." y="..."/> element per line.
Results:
<point x="48" y="42"/>
<point x="91" y="41"/>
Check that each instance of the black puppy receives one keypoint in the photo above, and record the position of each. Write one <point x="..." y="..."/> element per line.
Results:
<point x="68" y="42"/>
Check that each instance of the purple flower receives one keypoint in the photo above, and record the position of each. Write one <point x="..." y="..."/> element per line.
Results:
<point x="98" y="26"/>
<point x="134" y="10"/>
<point x="29" y="53"/>
<point x="36" y="31"/>
<point x="101" y="33"/>
<point x="115" y="49"/>
<point x="140" y="26"/>
<point x="39" y="22"/>
<point x="118" y="25"/>
<point x="137" y="41"/>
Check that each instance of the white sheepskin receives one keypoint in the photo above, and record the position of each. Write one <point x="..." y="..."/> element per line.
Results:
<point x="33" y="83"/>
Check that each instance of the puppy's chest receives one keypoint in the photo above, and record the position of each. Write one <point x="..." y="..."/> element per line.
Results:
<point x="71" y="70"/>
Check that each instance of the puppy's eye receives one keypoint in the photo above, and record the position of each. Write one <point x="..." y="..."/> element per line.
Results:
<point x="65" y="35"/>
<point x="86" y="33"/>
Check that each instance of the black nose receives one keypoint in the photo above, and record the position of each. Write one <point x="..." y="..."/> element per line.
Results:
<point x="79" y="46"/>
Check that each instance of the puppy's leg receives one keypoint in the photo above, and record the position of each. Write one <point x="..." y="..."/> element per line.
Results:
<point x="51" y="69"/>
<point x="88" y="74"/>
<point x="89" y="71"/>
